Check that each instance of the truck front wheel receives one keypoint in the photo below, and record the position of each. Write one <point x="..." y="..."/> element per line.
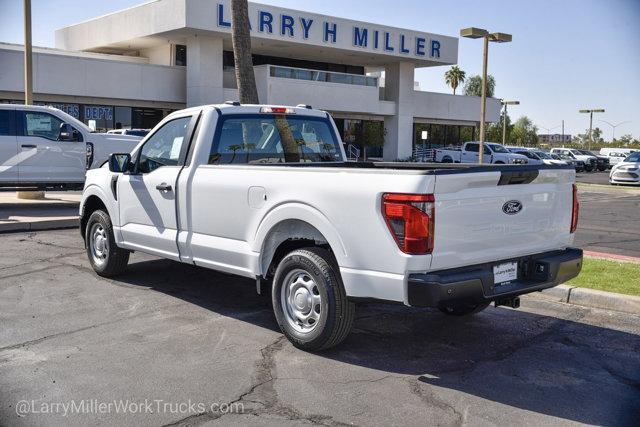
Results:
<point x="309" y="300"/>
<point x="106" y="258"/>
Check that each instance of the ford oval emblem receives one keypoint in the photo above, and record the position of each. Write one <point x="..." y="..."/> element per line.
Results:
<point x="512" y="207"/>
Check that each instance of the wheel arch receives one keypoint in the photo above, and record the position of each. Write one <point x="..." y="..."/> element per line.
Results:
<point x="290" y="227"/>
<point x="92" y="200"/>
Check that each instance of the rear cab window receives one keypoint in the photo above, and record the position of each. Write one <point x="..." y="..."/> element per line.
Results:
<point x="273" y="139"/>
<point x="7" y="123"/>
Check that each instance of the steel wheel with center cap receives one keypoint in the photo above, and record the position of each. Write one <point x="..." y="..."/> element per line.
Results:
<point x="309" y="300"/>
<point x="106" y="258"/>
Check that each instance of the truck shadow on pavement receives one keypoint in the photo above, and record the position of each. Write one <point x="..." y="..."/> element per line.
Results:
<point x="560" y="363"/>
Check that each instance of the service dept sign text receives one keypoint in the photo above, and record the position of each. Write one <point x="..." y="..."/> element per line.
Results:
<point x="341" y="33"/>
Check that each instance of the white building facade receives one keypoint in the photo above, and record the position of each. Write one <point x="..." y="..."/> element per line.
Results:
<point x="132" y="67"/>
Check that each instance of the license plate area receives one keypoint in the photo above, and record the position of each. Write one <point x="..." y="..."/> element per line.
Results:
<point x="505" y="273"/>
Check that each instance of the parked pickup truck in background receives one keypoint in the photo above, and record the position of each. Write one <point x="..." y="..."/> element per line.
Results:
<point x="43" y="147"/>
<point x="265" y="192"/>
<point x="493" y="153"/>
<point x="590" y="161"/>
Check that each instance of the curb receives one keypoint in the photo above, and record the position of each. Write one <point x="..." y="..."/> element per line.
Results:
<point x="608" y="188"/>
<point x="594" y="299"/>
<point x="52" y="224"/>
<point x="611" y="257"/>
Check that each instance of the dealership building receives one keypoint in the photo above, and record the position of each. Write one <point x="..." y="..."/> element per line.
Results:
<point x="132" y="67"/>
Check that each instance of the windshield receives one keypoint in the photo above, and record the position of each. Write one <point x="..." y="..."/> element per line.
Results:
<point x="266" y="138"/>
<point x="497" y="148"/>
<point x="586" y="153"/>
<point x="542" y="155"/>
<point x="633" y="158"/>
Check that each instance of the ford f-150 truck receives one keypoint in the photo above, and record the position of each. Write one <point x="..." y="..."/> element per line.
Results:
<point x="46" y="148"/>
<point x="265" y="192"/>
<point x="468" y="153"/>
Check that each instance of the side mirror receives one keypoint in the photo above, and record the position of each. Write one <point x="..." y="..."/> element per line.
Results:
<point x="66" y="132"/>
<point x="120" y="162"/>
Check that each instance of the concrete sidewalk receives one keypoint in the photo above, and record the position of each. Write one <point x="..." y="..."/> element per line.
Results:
<point x="56" y="210"/>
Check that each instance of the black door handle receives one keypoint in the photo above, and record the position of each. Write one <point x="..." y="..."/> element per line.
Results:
<point x="29" y="146"/>
<point x="163" y="187"/>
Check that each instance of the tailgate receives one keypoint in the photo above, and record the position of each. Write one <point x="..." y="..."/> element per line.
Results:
<point x="482" y="217"/>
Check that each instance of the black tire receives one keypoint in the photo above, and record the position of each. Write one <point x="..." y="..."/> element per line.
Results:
<point x="588" y="168"/>
<point x="334" y="312"/>
<point x="499" y="162"/>
<point x="107" y="263"/>
<point x="463" y="309"/>
<point x="447" y="160"/>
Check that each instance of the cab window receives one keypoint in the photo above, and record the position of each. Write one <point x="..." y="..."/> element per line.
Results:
<point x="39" y="124"/>
<point x="163" y="148"/>
<point x="260" y="139"/>
<point x="7" y="127"/>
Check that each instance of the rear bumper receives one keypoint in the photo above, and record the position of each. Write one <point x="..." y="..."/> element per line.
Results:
<point x="474" y="284"/>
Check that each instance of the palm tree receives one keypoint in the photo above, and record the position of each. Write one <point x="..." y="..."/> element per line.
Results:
<point x="234" y="148"/>
<point x="241" y="40"/>
<point x="454" y="77"/>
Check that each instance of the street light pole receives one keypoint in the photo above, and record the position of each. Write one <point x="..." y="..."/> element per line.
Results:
<point x="28" y="73"/>
<point x="597" y="110"/>
<point x="504" y="119"/>
<point x="476" y="33"/>
<point x="613" y="127"/>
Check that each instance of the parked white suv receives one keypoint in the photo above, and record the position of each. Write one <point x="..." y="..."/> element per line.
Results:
<point x="265" y="192"/>
<point x="43" y="147"/>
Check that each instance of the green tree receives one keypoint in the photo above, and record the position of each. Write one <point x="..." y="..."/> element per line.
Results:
<point x="373" y="133"/>
<point x="494" y="131"/>
<point x="524" y="132"/>
<point x="473" y="86"/>
<point x="454" y="77"/>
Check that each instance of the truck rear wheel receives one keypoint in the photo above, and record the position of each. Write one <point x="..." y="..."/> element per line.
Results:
<point x="464" y="309"/>
<point x="106" y="258"/>
<point x="309" y="300"/>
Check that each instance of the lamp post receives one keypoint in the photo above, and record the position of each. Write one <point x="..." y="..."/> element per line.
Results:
<point x="477" y="33"/>
<point x="596" y="110"/>
<point x="613" y="127"/>
<point x="28" y="74"/>
<point x="504" y="119"/>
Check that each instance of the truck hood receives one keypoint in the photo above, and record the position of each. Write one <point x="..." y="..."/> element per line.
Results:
<point x="103" y="145"/>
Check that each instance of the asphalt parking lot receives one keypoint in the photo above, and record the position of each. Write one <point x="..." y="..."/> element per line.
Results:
<point x="609" y="222"/>
<point x="172" y="333"/>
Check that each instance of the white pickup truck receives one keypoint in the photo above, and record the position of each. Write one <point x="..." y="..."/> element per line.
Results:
<point x="46" y="148"/>
<point x="468" y="153"/>
<point x="590" y="161"/>
<point x="265" y="192"/>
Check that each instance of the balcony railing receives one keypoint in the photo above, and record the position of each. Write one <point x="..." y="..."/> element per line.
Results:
<point x="322" y="76"/>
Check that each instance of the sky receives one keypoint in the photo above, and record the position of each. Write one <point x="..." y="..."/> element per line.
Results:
<point x="566" y="55"/>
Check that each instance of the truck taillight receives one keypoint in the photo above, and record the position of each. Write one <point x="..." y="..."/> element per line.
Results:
<point x="575" y="210"/>
<point x="410" y="218"/>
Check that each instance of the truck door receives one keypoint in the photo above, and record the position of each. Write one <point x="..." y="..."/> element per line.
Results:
<point x="43" y="157"/>
<point x="8" y="147"/>
<point x="470" y="152"/>
<point x="147" y="196"/>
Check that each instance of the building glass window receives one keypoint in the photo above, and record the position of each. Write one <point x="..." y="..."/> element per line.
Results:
<point x="98" y="117"/>
<point x="122" y="117"/>
<point x="181" y="55"/>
